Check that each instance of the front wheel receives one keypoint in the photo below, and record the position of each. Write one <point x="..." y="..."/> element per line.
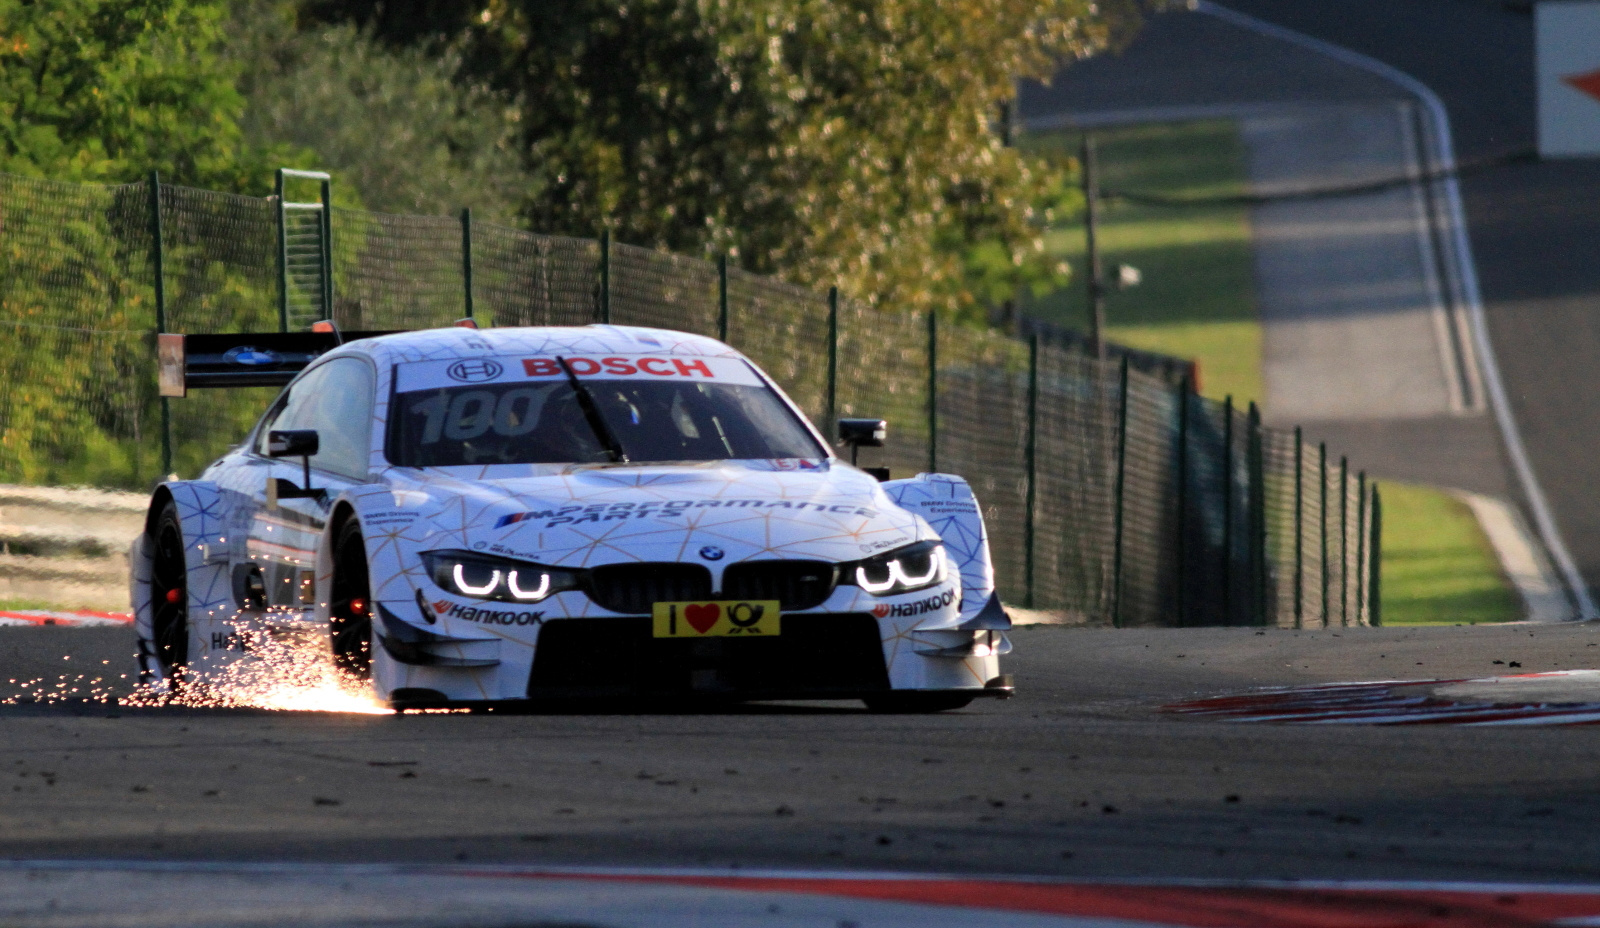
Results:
<point x="169" y="597"/>
<point x="350" y="603"/>
<point x="916" y="703"/>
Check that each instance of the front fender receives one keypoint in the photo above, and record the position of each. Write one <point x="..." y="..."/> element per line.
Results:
<point x="392" y="525"/>
<point x="946" y="502"/>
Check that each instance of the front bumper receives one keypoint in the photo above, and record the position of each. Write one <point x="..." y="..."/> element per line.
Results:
<point x="818" y="656"/>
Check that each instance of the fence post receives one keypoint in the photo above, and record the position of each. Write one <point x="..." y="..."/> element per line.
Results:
<point x="1299" y="529"/>
<point x="1227" y="509"/>
<point x="1184" y="390"/>
<point x="1030" y="454"/>
<point x="1091" y="219"/>
<point x="933" y="392"/>
<point x="466" y="255"/>
<point x="1375" y="571"/>
<point x="1258" y="516"/>
<point x="1322" y="482"/>
<point x="283" y="258"/>
<point x="722" y="298"/>
<point x="605" y="276"/>
<point x="1344" y="540"/>
<point x="1122" y="461"/>
<point x="1361" y="546"/>
<point x="327" y="248"/>
<point x="158" y="258"/>
<point x="831" y="426"/>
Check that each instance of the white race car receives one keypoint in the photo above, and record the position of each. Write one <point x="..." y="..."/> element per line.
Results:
<point x="515" y="515"/>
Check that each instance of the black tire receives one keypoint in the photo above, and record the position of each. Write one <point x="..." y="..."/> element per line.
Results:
<point x="169" y="596"/>
<point x="350" y="603"/>
<point x="916" y="703"/>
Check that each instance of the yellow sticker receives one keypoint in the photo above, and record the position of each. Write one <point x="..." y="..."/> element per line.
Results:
<point x="718" y="619"/>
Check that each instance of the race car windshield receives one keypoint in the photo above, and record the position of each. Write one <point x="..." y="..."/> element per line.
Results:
<point x="544" y="423"/>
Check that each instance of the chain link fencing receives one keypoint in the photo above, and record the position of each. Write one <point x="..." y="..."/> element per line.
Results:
<point x="1113" y="493"/>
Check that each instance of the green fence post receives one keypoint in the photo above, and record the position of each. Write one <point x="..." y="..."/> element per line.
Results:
<point x="1030" y="457"/>
<point x="327" y="248"/>
<point x="1361" y="546"/>
<point x="466" y="256"/>
<point x="1227" y="509"/>
<point x="1375" y="571"/>
<point x="158" y="258"/>
<point x="933" y="392"/>
<point x="605" y="276"/>
<point x="283" y="258"/>
<point x="1344" y="540"/>
<point x="1122" y="462"/>
<point x="1322" y="481"/>
<point x="1299" y="529"/>
<point x="1258" y="516"/>
<point x="831" y="426"/>
<point x="722" y="298"/>
<point x="1184" y="389"/>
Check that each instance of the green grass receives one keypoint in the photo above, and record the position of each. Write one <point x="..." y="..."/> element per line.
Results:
<point x="26" y="605"/>
<point x="1198" y="301"/>
<point x="1438" y="568"/>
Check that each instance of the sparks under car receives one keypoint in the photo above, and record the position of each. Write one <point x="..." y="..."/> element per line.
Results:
<point x="512" y="515"/>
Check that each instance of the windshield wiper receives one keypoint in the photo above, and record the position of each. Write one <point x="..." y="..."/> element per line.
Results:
<point x="591" y="411"/>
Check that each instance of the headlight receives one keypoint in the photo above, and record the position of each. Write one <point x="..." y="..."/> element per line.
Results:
<point x="483" y="577"/>
<point x="913" y="567"/>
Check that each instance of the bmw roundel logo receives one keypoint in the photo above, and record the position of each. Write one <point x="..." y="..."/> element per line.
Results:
<point x="711" y="553"/>
<point x="251" y="357"/>
<point x="475" y="371"/>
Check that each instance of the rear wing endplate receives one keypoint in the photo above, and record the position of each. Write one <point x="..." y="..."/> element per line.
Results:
<point x="262" y="359"/>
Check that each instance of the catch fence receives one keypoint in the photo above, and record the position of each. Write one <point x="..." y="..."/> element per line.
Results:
<point x="1112" y="493"/>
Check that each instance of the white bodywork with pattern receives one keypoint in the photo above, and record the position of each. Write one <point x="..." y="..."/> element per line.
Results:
<point x="475" y="554"/>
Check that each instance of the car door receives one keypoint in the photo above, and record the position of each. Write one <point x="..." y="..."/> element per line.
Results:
<point x="335" y="398"/>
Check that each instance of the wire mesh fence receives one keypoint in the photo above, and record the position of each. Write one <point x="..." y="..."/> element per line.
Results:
<point x="1112" y="492"/>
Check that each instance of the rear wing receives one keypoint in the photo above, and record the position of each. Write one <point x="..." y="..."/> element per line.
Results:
<point x="263" y="359"/>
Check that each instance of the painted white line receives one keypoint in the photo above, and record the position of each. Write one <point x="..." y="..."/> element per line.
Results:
<point x="340" y="870"/>
<point x="1450" y="360"/>
<point x="1466" y="271"/>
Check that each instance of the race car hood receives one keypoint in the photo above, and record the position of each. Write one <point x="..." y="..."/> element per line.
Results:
<point x="716" y="513"/>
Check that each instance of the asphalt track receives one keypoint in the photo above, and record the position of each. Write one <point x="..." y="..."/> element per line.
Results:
<point x="1082" y="775"/>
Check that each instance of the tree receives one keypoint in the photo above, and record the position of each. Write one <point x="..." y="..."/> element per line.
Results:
<point x="400" y="128"/>
<point x="105" y="90"/>
<point x="829" y="141"/>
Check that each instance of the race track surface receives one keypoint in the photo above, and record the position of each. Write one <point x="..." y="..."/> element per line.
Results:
<point x="1082" y="775"/>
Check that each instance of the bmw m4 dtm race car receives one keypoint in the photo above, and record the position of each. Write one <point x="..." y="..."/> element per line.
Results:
<point x="472" y="518"/>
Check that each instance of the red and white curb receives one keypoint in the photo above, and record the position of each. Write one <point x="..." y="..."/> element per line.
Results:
<point x="1566" y="697"/>
<point x="67" y="894"/>
<point x="79" y="617"/>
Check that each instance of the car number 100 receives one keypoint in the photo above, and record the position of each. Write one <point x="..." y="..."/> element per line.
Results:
<point x="723" y="618"/>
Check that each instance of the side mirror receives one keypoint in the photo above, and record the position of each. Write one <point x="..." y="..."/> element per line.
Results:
<point x="292" y="443"/>
<point x="859" y="432"/>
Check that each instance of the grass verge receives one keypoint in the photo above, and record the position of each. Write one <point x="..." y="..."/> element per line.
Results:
<point x="1197" y="299"/>
<point x="1438" y="568"/>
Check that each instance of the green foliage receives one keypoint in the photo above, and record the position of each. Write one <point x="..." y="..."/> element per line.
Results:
<point x="400" y="129"/>
<point x="105" y="90"/>
<point x="829" y="141"/>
